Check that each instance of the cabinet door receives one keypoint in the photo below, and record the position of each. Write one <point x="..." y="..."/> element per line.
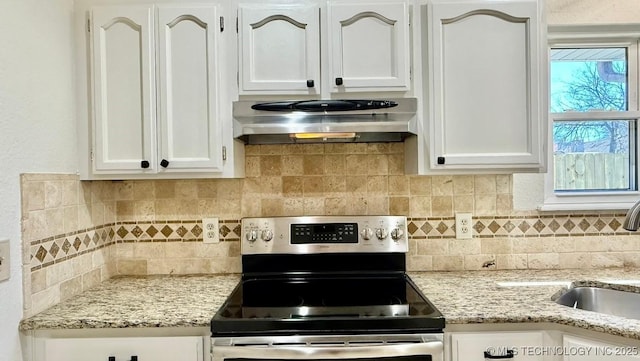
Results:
<point x="368" y="46"/>
<point x="123" y="88"/>
<point x="471" y="346"/>
<point x="145" y="348"/>
<point x="582" y="349"/>
<point x="279" y="47"/>
<point x="485" y="103"/>
<point x="189" y="120"/>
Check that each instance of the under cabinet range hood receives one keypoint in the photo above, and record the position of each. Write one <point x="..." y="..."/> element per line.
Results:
<point x="319" y="121"/>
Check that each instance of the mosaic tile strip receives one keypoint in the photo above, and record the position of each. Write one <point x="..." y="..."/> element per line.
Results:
<point x="532" y="226"/>
<point x="52" y="250"/>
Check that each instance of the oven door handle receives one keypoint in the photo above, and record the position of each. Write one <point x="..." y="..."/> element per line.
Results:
<point x="434" y="347"/>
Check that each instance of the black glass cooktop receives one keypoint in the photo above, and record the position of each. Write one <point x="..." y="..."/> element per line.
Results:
<point x="326" y="304"/>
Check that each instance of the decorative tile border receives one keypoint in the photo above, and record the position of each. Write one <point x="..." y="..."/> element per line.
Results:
<point x="60" y="248"/>
<point x="530" y="226"/>
<point x="53" y="250"/>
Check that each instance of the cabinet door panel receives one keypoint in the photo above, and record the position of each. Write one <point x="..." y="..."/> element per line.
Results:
<point x="124" y="86"/>
<point x="470" y="346"/>
<point x="369" y="45"/>
<point x="189" y="118"/>
<point x="486" y="89"/>
<point x="279" y="48"/>
<point x="582" y="349"/>
<point x="146" y="348"/>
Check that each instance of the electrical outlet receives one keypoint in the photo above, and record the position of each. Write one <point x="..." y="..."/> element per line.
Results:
<point x="464" y="228"/>
<point x="210" y="231"/>
<point x="4" y="259"/>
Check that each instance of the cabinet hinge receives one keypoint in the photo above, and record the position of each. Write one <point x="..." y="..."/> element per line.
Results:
<point x="224" y="153"/>
<point x="89" y="25"/>
<point x="237" y="25"/>
<point x="221" y="23"/>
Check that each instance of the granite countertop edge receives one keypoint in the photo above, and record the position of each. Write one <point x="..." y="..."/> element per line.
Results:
<point x="463" y="297"/>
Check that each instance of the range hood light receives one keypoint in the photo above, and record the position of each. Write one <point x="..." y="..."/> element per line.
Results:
<point x="328" y="135"/>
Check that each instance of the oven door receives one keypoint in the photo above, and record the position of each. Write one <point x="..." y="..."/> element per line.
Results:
<point x="413" y="347"/>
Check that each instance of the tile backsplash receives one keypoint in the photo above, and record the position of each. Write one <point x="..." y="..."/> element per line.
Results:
<point x="78" y="233"/>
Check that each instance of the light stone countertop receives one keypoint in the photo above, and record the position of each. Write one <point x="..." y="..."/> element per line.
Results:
<point x="468" y="297"/>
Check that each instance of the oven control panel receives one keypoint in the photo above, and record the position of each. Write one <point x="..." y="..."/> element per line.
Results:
<point x="324" y="234"/>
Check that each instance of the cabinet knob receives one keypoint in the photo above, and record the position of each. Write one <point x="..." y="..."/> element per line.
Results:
<point x="134" y="358"/>
<point x="509" y="354"/>
<point x="164" y="163"/>
<point x="440" y="160"/>
<point x="338" y="81"/>
<point x="144" y="164"/>
<point x="112" y="358"/>
<point x="310" y="83"/>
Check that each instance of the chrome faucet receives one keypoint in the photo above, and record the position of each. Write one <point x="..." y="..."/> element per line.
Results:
<point x="632" y="220"/>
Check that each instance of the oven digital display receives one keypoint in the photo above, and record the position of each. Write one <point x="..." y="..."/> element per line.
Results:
<point x="324" y="233"/>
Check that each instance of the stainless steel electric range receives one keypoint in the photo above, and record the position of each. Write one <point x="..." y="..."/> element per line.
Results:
<point x="326" y="288"/>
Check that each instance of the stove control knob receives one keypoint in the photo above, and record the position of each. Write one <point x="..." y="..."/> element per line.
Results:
<point x="381" y="234"/>
<point x="396" y="234"/>
<point x="267" y="235"/>
<point x="367" y="233"/>
<point x="252" y="235"/>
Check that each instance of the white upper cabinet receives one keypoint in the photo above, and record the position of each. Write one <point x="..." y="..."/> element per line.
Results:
<point x="279" y="48"/>
<point x="316" y="48"/>
<point x="368" y="46"/>
<point x="486" y="107"/>
<point x="124" y="88"/>
<point x="190" y="125"/>
<point x="156" y="91"/>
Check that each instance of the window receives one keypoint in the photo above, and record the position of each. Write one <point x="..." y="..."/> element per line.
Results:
<point x="593" y="103"/>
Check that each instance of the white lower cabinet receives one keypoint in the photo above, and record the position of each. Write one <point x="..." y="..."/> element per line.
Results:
<point x="584" y="349"/>
<point x="508" y="345"/>
<point x="188" y="348"/>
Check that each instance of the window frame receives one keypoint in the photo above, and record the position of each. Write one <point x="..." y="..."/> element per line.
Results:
<point x="582" y="36"/>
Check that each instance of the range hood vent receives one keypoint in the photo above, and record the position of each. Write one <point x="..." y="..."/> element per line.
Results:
<point x="320" y="121"/>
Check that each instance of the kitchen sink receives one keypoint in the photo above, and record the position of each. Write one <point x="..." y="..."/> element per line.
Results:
<point x="603" y="300"/>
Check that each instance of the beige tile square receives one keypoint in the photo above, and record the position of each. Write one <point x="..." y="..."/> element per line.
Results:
<point x="377" y="205"/>
<point x="313" y="206"/>
<point x="292" y="165"/>
<point x="335" y="206"/>
<point x="378" y="164"/>
<point x="270" y="186"/>
<point x="272" y="207"/>
<point x="448" y="263"/>
<point x="334" y="164"/>
<point x="420" y="206"/>
<point x="356" y="164"/>
<point x="378" y="185"/>
<point x="464" y="203"/>
<point x="271" y="149"/>
<point x="485" y="204"/>
<point x="377" y="148"/>
<point x="70" y="192"/>
<point x="504" y="183"/>
<point x="52" y="194"/>
<point x="442" y="206"/>
<point x="356" y="185"/>
<point x="313" y="186"/>
<point x="144" y="190"/>
<point x="485" y="184"/>
<point x="292" y="186"/>
<point x="251" y="149"/>
<point x="463" y="185"/>
<point x="398" y="185"/>
<point x="165" y="189"/>
<point x="433" y="246"/>
<point x="399" y="206"/>
<point x="251" y="166"/>
<point x="464" y="246"/>
<point x="356" y="205"/>
<point x="442" y="185"/>
<point x="396" y="164"/>
<point x="418" y="263"/>
<point x="132" y="267"/>
<point x="70" y="288"/>
<point x="334" y="185"/>
<point x="420" y="185"/>
<point x="70" y="219"/>
<point x="229" y="189"/>
<point x="543" y="260"/>
<point x="293" y="206"/>
<point x="251" y="207"/>
<point x="313" y="164"/>
<point x="270" y="165"/>
<point x="123" y="190"/>
<point x="33" y="196"/>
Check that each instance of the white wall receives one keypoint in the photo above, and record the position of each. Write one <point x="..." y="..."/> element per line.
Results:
<point x="37" y="125"/>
